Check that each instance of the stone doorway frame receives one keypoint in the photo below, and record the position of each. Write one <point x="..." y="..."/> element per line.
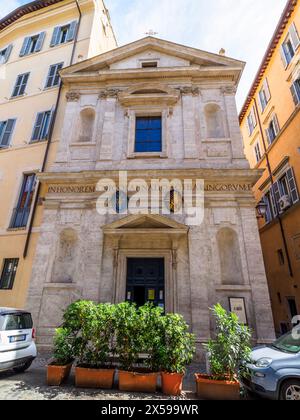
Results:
<point x="170" y="274"/>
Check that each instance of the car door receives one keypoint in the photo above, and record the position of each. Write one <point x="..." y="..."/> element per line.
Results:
<point x="16" y="331"/>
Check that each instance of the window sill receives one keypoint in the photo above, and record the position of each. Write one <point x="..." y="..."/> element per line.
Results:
<point x="17" y="229"/>
<point x="83" y="144"/>
<point x="147" y="155"/>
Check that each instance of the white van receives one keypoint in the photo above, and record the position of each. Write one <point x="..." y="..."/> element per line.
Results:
<point x="17" y="346"/>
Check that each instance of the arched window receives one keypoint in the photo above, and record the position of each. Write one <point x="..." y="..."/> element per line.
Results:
<point x="87" y="122"/>
<point x="214" y="121"/>
<point x="64" y="270"/>
<point x="230" y="257"/>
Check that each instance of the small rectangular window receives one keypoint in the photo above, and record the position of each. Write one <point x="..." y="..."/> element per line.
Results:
<point x="41" y="126"/>
<point x="264" y="95"/>
<point x="63" y="34"/>
<point x="5" y="54"/>
<point x="21" y="212"/>
<point x="149" y="64"/>
<point x="6" y="131"/>
<point x="53" y="77"/>
<point x="295" y="89"/>
<point x="32" y="44"/>
<point x="273" y="129"/>
<point x="257" y="151"/>
<point x="148" y="134"/>
<point x="20" y="85"/>
<point x="8" y="273"/>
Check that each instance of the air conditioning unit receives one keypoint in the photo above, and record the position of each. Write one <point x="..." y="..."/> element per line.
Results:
<point x="284" y="203"/>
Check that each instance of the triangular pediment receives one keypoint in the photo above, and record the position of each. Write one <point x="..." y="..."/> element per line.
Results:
<point x="150" y="222"/>
<point x="168" y="54"/>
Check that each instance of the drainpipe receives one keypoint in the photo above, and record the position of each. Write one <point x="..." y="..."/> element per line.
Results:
<point x="49" y="140"/>
<point x="272" y="183"/>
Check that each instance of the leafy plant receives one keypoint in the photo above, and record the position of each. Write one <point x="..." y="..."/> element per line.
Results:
<point x="63" y="347"/>
<point x="177" y="348"/>
<point x="129" y="340"/>
<point x="229" y="353"/>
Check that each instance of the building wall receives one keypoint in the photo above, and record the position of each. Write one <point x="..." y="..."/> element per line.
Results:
<point x="286" y="145"/>
<point x="22" y="156"/>
<point x="82" y="254"/>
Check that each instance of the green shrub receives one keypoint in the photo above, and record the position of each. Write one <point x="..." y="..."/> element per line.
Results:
<point x="177" y="348"/>
<point x="230" y="351"/>
<point x="63" y="347"/>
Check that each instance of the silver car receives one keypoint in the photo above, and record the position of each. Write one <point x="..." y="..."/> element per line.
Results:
<point x="17" y="346"/>
<point x="275" y="370"/>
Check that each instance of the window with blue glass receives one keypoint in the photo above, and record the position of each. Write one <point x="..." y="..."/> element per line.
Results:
<point x="148" y="136"/>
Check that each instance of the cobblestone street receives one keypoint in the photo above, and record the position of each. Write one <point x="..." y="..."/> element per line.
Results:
<point x="32" y="386"/>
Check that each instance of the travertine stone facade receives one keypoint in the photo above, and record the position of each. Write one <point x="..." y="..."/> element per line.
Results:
<point x="82" y="254"/>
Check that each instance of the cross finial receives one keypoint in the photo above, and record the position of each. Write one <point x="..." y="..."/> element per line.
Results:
<point x="151" y="33"/>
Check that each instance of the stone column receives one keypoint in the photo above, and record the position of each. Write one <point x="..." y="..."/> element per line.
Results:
<point x="108" y="131"/>
<point x="69" y="127"/>
<point x="189" y="95"/>
<point x="199" y="266"/>
<point x="260" y="293"/>
<point x="233" y="123"/>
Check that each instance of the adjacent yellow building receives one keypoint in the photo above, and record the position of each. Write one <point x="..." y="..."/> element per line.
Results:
<point x="270" y="124"/>
<point x="36" y="41"/>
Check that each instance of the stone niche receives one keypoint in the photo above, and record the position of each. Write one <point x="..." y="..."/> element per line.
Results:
<point x="230" y="257"/>
<point x="67" y="250"/>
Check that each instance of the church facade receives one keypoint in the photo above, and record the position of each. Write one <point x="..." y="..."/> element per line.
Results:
<point x="147" y="112"/>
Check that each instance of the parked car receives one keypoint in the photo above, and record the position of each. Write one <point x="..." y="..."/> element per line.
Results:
<point x="275" y="371"/>
<point x="17" y="346"/>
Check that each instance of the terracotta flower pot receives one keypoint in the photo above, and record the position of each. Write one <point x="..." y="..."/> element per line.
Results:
<point x="56" y="375"/>
<point x="209" y="389"/>
<point x="172" y="383"/>
<point x="94" y="378"/>
<point x="138" y="382"/>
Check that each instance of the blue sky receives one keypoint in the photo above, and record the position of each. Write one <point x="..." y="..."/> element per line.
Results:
<point x="243" y="27"/>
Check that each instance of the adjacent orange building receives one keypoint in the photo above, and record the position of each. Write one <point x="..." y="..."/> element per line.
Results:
<point x="270" y="124"/>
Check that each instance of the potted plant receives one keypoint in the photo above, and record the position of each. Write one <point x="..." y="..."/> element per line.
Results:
<point x="59" y="370"/>
<point x="94" y="346"/>
<point x="175" y="352"/>
<point x="134" y="335"/>
<point x="227" y="355"/>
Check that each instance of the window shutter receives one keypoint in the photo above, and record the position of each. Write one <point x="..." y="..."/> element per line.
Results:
<point x="276" y="124"/>
<point x="50" y="76"/>
<point x="268" y="215"/>
<point x="293" y="185"/>
<point x="7" y="53"/>
<point x="276" y="194"/>
<point x="57" y="76"/>
<point x="17" y="86"/>
<point x="24" y="81"/>
<point x="55" y="35"/>
<point x="254" y="117"/>
<point x="268" y="136"/>
<point x="267" y="90"/>
<point x="37" y="126"/>
<point x="40" y="42"/>
<point x="7" y="133"/>
<point x="248" y="126"/>
<point x="294" y="36"/>
<point x="25" y="45"/>
<point x="72" y="31"/>
<point x="283" y="56"/>
<point x="294" y="94"/>
<point x="260" y="103"/>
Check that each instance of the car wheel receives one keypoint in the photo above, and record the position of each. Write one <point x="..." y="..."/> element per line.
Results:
<point x="23" y="368"/>
<point x="290" y="390"/>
